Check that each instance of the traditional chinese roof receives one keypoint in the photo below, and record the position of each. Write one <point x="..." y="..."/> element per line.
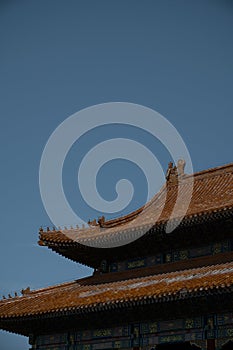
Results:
<point x="88" y="295"/>
<point x="211" y="198"/>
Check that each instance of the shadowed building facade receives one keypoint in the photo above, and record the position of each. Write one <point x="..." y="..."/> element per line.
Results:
<point x="161" y="291"/>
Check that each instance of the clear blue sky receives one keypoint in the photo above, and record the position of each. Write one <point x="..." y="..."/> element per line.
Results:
<point x="58" y="57"/>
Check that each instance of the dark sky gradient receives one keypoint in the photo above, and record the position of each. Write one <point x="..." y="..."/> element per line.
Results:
<point x="58" y="57"/>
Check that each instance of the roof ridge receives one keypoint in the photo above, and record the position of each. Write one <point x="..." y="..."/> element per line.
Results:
<point x="200" y="269"/>
<point x="207" y="172"/>
<point x="53" y="287"/>
<point x="210" y="171"/>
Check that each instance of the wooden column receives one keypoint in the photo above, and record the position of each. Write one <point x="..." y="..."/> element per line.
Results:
<point x="210" y="344"/>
